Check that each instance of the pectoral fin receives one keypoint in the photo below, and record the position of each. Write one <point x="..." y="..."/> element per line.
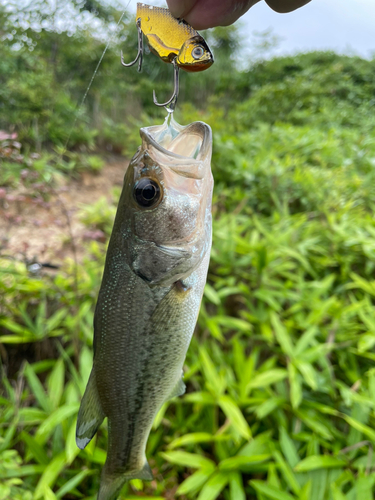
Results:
<point x="90" y="414"/>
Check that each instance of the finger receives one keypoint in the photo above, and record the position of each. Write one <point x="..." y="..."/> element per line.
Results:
<point x="180" y="8"/>
<point x="286" y="5"/>
<point x="209" y="13"/>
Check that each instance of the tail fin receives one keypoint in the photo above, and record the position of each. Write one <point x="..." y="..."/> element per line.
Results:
<point x="111" y="485"/>
<point x="90" y="414"/>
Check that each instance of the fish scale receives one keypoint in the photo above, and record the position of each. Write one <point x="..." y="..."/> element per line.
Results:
<point x="149" y="298"/>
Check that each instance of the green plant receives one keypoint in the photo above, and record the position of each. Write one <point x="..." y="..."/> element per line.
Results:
<point x="280" y="401"/>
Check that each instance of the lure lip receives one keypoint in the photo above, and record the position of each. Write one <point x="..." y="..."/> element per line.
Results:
<point x="196" y="67"/>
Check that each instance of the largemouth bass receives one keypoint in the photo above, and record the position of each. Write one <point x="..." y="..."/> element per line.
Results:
<point x="152" y="286"/>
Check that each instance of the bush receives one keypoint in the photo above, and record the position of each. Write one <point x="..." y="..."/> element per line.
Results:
<point x="280" y="401"/>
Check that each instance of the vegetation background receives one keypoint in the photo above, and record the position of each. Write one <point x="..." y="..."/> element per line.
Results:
<point x="280" y="374"/>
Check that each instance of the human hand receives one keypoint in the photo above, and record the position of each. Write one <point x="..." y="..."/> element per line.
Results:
<point x="202" y="14"/>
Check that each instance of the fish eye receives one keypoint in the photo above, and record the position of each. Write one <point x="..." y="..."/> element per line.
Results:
<point x="197" y="52"/>
<point x="147" y="192"/>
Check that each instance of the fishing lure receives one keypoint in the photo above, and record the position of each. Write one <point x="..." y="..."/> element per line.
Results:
<point x="174" y="41"/>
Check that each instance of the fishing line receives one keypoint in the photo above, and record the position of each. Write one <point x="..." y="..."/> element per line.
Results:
<point x="93" y="77"/>
<point x="61" y="201"/>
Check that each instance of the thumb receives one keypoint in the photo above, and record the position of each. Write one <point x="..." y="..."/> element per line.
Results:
<point x="203" y="14"/>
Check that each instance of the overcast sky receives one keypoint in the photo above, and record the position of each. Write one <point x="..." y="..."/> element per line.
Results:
<point x="347" y="26"/>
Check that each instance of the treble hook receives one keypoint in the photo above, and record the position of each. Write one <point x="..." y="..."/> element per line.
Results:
<point x="173" y="100"/>
<point x="140" y="49"/>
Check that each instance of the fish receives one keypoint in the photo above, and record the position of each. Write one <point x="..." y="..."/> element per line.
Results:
<point x="170" y="38"/>
<point x="147" y="308"/>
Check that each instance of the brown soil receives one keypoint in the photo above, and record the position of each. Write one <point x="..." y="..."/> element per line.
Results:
<point x="49" y="230"/>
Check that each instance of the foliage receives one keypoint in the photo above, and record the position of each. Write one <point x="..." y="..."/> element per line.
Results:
<point x="280" y="374"/>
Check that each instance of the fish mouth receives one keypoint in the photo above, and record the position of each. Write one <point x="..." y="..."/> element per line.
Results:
<point x="184" y="149"/>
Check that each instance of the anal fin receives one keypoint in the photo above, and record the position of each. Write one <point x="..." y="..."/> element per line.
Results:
<point x="178" y="390"/>
<point x="145" y="473"/>
<point x="90" y="414"/>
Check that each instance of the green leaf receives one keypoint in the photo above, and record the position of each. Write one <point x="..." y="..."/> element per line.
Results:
<point x="214" y="329"/>
<point x="35" y="449"/>
<point x="337" y="493"/>
<point x="56" y="418"/>
<point x="270" y="491"/>
<point x="295" y="386"/>
<point x="272" y="477"/>
<point x="306" y="491"/>
<point x="26" y="470"/>
<point x="12" y="326"/>
<point x="71" y="448"/>
<point x="287" y="473"/>
<point x="282" y="335"/>
<point x="305" y="340"/>
<point x="193" y="438"/>
<point x="288" y="448"/>
<point x="308" y="373"/>
<point x="50" y="474"/>
<point x="73" y="482"/>
<point x="242" y="462"/>
<point x="319" y="462"/>
<point x="268" y="407"/>
<point x="98" y="456"/>
<point x="234" y="414"/>
<point x="16" y="339"/>
<point x="204" y="398"/>
<point x="213" y="487"/>
<point x="56" y="319"/>
<point x="314" y="424"/>
<point x="37" y="389"/>
<point x="49" y="494"/>
<point x="234" y="323"/>
<point x="236" y="489"/>
<point x="31" y="416"/>
<point x="188" y="460"/>
<point x="267" y="378"/>
<point x="364" y="487"/>
<point x="137" y="497"/>
<point x="160" y="415"/>
<point x="210" y="373"/>
<point x="55" y="383"/>
<point x="211" y="294"/>
<point x="367" y="431"/>
<point x="194" y="482"/>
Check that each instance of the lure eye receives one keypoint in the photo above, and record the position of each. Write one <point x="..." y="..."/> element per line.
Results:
<point x="197" y="52"/>
<point x="147" y="192"/>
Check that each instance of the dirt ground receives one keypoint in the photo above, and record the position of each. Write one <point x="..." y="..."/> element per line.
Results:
<point x="48" y="230"/>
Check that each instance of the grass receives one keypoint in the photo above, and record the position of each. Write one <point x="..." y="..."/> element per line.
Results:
<point x="280" y="401"/>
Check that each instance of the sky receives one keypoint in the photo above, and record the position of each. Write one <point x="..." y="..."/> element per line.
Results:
<point x="346" y="26"/>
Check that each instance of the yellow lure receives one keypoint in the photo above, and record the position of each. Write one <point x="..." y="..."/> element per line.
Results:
<point x="173" y="39"/>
